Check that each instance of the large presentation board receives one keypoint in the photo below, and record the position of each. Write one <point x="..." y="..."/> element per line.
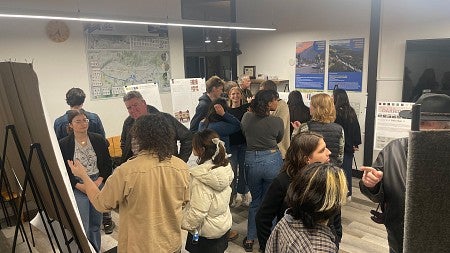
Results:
<point x="121" y="55"/>
<point x="21" y="105"/>
<point x="388" y="124"/>
<point x="185" y="94"/>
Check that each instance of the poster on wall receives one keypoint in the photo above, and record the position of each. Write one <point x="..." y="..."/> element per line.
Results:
<point x="121" y="55"/>
<point x="389" y="125"/>
<point x="345" y="64"/>
<point x="309" y="70"/>
<point x="149" y="92"/>
<point x="185" y="94"/>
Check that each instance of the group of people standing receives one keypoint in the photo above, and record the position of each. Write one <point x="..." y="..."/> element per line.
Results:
<point x="279" y="177"/>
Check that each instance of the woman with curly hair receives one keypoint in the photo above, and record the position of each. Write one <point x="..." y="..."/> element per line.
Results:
<point x="149" y="189"/>
<point x="208" y="213"/>
<point x="315" y="195"/>
<point x="263" y="158"/>
<point x="306" y="148"/>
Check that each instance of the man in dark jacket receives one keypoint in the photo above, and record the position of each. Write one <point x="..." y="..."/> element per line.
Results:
<point x="214" y="89"/>
<point x="385" y="181"/>
<point x="137" y="107"/>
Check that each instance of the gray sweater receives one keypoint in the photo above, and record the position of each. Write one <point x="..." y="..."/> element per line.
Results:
<point x="262" y="133"/>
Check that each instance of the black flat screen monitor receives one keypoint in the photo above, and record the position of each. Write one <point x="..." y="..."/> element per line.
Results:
<point x="427" y="68"/>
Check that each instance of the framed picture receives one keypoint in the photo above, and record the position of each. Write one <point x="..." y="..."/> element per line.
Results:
<point x="250" y="71"/>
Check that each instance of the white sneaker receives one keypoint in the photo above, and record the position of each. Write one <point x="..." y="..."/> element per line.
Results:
<point x="237" y="201"/>
<point x="247" y="199"/>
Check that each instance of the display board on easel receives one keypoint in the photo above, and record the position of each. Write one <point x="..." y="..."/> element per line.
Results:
<point x="149" y="92"/>
<point x="185" y="94"/>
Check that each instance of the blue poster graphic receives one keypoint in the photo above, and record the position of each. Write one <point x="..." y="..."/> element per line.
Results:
<point x="345" y="64"/>
<point x="309" y="70"/>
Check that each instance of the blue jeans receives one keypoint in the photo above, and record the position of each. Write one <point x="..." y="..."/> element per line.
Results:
<point x="91" y="218"/>
<point x="261" y="168"/>
<point x="347" y="166"/>
<point x="238" y="164"/>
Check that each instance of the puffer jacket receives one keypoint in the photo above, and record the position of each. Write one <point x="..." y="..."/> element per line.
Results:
<point x="208" y="211"/>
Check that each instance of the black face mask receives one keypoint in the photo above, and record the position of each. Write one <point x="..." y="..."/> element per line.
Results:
<point x="377" y="217"/>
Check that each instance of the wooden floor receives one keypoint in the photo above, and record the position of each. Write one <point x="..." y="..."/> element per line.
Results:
<point x="360" y="233"/>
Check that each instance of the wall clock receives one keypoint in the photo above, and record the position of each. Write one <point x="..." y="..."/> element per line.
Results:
<point x="57" y="31"/>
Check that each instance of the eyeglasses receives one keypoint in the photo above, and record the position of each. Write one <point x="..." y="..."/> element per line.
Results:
<point x="81" y="121"/>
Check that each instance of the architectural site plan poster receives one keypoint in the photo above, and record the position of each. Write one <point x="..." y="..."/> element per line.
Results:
<point x="309" y="70"/>
<point x="345" y="63"/>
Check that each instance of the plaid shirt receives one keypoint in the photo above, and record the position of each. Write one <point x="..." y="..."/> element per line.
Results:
<point x="290" y="235"/>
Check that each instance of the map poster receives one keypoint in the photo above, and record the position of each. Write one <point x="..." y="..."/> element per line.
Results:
<point x="149" y="92"/>
<point x="345" y="63"/>
<point x="389" y="125"/>
<point x="185" y="94"/>
<point x="121" y="55"/>
<point x="309" y="70"/>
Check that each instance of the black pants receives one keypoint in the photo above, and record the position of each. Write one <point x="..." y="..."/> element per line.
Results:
<point x="218" y="245"/>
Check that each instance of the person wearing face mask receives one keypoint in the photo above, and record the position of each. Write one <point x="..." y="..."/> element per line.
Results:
<point x="306" y="148"/>
<point x="137" y="107"/>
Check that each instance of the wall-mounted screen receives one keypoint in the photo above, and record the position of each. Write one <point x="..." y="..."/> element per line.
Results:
<point x="427" y="67"/>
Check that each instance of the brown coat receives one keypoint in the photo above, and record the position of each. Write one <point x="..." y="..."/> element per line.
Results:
<point x="150" y="196"/>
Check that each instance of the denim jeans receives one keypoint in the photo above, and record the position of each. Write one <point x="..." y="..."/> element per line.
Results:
<point x="238" y="164"/>
<point x="347" y="166"/>
<point x="261" y="168"/>
<point x="91" y="218"/>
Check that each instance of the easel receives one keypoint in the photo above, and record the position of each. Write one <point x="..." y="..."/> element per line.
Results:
<point x="53" y="190"/>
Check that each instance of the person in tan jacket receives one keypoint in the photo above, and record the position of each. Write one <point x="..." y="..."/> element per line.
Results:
<point x="282" y="111"/>
<point x="207" y="216"/>
<point x="149" y="189"/>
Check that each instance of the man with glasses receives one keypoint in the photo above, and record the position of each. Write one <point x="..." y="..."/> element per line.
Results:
<point x="75" y="99"/>
<point x="137" y="107"/>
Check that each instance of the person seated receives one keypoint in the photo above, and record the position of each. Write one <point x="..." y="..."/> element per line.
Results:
<point x="315" y="195"/>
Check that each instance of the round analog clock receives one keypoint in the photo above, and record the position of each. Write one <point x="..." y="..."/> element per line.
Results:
<point x="57" y="31"/>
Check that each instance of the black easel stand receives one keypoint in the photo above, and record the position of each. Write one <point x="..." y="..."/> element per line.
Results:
<point x="53" y="190"/>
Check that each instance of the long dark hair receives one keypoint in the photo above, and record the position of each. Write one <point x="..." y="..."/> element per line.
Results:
<point x="297" y="108"/>
<point x="302" y="146"/>
<point x="260" y="104"/>
<point x="212" y="116"/>
<point x="202" y="143"/>
<point x="344" y="111"/>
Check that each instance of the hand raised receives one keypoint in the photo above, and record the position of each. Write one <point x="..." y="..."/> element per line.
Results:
<point x="219" y="109"/>
<point x="296" y="124"/>
<point x="77" y="168"/>
<point x="371" y="176"/>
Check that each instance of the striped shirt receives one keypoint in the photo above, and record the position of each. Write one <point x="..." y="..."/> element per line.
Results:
<point x="290" y="235"/>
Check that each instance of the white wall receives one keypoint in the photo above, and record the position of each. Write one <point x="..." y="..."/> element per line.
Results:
<point x="61" y="66"/>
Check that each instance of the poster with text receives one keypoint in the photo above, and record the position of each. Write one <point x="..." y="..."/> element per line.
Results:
<point x="345" y="63"/>
<point x="389" y="125"/>
<point x="185" y="94"/>
<point x="309" y="70"/>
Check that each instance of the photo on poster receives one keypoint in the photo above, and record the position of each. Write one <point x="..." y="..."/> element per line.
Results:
<point x="345" y="64"/>
<point x="309" y="70"/>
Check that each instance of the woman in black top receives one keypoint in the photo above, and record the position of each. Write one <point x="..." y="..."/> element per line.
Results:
<point x="91" y="150"/>
<point x="238" y="146"/>
<point x="346" y="117"/>
<point x="298" y="111"/>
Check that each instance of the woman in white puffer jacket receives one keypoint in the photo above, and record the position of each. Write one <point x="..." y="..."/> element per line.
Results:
<point x="207" y="217"/>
